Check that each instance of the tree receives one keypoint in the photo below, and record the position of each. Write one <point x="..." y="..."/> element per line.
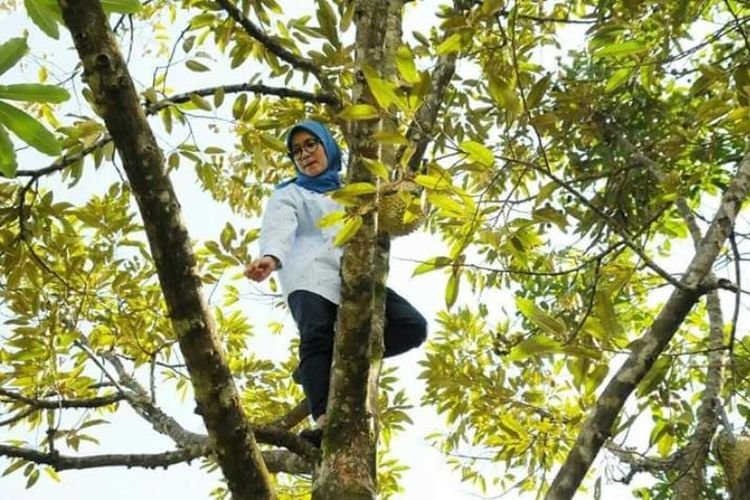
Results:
<point x="565" y="185"/>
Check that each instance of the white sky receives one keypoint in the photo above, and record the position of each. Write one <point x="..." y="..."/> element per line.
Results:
<point x="428" y="477"/>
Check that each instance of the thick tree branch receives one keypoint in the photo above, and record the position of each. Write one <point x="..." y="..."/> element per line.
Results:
<point x="598" y="426"/>
<point x="420" y="131"/>
<point x="273" y="46"/>
<point x="62" y="403"/>
<point x="62" y="462"/>
<point x="276" y="460"/>
<point x="18" y="416"/>
<point x="142" y="404"/>
<point x="283" y="92"/>
<point x="152" y="108"/>
<point x="112" y="87"/>
<point x="294" y="417"/>
<point x="690" y="460"/>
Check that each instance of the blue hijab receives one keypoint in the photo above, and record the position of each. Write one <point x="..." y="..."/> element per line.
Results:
<point x="328" y="180"/>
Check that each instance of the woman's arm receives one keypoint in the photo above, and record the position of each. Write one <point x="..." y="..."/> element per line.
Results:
<point x="276" y="236"/>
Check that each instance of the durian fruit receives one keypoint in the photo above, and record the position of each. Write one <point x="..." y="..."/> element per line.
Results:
<point x="400" y="211"/>
<point x="734" y="456"/>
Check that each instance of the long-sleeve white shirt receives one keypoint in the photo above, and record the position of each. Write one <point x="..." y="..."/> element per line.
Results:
<point x="290" y="232"/>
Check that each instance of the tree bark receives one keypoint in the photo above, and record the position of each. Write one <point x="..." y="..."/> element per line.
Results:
<point x="277" y="460"/>
<point x="692" y="482"/>
<point x="598" y="426"/>
<point x="692" y="458"/>
<point x="393" y="35"/>
<point x="348" y="469"/>
<point x="420" y="129"/>
<point x="106" y="73"/>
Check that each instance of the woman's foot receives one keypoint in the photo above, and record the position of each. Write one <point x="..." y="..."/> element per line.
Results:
<point x="313" y="436"/>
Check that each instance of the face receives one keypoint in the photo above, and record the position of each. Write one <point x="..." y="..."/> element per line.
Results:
<point x="310" y="156"/>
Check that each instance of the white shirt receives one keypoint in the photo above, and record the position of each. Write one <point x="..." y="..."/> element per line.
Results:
<point x="290" y="232"/>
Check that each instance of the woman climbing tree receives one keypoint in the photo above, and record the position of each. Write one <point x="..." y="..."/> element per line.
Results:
<point x="293" y="243"/>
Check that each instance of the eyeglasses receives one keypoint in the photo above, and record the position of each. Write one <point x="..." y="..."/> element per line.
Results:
<point x="308" y="146"/>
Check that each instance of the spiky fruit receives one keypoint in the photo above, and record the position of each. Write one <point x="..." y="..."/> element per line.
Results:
<point x="400" y="211"/>
<point x="734" y="456"/>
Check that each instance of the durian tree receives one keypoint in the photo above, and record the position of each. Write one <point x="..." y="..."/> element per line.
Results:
<point x="585" y="164"/>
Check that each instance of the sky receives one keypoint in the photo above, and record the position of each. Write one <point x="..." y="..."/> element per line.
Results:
<point x="428" y="476"/>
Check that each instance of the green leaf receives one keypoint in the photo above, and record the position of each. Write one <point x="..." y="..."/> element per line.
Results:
<point x="357" y="189"/>
<point x="536" y="345"/>
<point x="451" y="289"/>
<point x="166" y="118"/>
<point x="347" y="232"/>
<point x="8" y="165"/>
<point x="618" y="78"/>
<point x="52" y="473"/>
<point x="545" y="192"/>
<point x="390" y="138"/>
<point x="432" y="182"/>
<point x="11" y="52"/>
<point x="194" y="65"/>
<point x="238" y="108"/>
<point x="451" y="44"/>
<point x="377" y="168"/>
<point x="328" y="23"/>
<point x="385" y="92"/>
<point x="431" y="265"/>
<point x="551" y="215"/>
<point x="654" y="376"/>
<point x="34" y="92"/>
<point x="29" y="130"/>
<point x="45" y="15"/>
<point x="14" y="466"/>
<point x="200" y="102"/>
<point x="348" y="194"/>
<point x="33" y="478"/>
<point x="540" y="318"/>
<point x="359" y="112"/>
<point x="621" y="49"/>
<point x="537" y="92"/>
<point x="446" y="204"/>
<point x="122" y="6"/>
<point x="405" y="64"/>
<point x="478" y="153"/>
<point x="347" y="17"/>
<point x="331" y="219"/>
<point x="490" y="7"/>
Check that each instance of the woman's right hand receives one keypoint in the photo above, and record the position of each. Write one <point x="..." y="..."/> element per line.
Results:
<point x="261" y="268"/>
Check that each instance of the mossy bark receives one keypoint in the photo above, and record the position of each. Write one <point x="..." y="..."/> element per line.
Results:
<point x="106" y="73"/>
<point x="348" y="469"/>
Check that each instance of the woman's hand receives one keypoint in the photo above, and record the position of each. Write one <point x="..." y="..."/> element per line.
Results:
<point x="261" y="268"/>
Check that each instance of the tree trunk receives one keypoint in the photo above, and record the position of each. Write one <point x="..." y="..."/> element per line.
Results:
<point x="348" y="469"/>
<point x="598" y="426"/>
<point x="106" y="73"/>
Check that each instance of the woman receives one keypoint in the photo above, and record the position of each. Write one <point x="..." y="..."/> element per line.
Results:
<point x="292" y="243"/>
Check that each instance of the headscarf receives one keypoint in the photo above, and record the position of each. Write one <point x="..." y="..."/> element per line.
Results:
<point x="327" y="180"/>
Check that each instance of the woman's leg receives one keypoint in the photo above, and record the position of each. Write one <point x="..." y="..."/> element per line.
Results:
<point x="405" y="327"/>
<point x="315" y="317"/>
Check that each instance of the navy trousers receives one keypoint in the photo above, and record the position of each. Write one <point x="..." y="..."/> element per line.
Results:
<point x="315" y="316"/>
